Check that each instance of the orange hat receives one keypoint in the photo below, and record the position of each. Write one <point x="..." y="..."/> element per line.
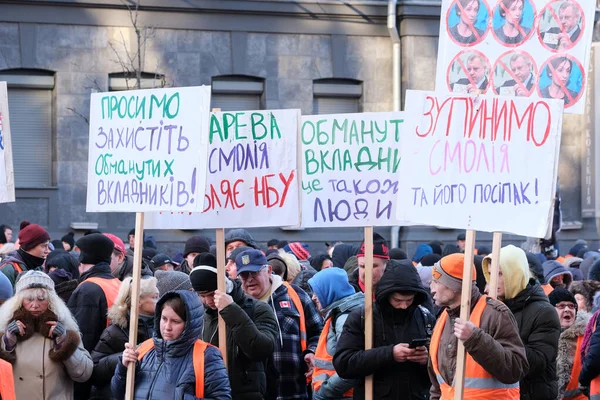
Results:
<point x="449" y="271"/>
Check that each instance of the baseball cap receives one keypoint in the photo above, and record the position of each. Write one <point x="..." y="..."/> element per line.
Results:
<point x="250" y="261"/>
<point x="119" y="246"/>
<point x="234" y="253"/>
<point x="159" y="260"/>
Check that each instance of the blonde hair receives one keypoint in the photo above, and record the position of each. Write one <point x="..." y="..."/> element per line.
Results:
<point x="55" y="304"/>
<point x="119" y="311"/>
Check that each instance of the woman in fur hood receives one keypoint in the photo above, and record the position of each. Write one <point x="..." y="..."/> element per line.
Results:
<point x="107" y="352"/>
<point x="40" y="338"/>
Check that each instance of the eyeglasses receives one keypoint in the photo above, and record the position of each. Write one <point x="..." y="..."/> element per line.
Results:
<point x="247" y="274"/>
<point x="563" y="306"/>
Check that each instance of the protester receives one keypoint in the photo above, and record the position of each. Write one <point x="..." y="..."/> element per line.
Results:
<point x="342" y="252"/>
<point x="34" y="241"/>
<point x="321" y="262"/>
<point x="230" y="267"/>
<point x="107" y="352"/>
<point x="6" y="290"/>
<point x="300" y="250"/>
<point x="238" y="237"/>
<point x="5" y="250"/>
<point x="422" y="251"/>
<point x="398" y="254"/>
<point x="483" y="251"/>
<point x="585" y="292"/>
<point x="41" y="340"/>
<point x="568" y="363"/>
<point x="490" y="337"/>
<point x="351" y="266"/>
<point x="296" y="342"/>
<point x="162" y="262"/>
<point x="277" y="264"/>
<point x="63" y="269"/>
<point x="272" y="244"/>
<point x="381" y="258"/>
<point x="437" y="247"/>
<point x="556" y="274"/>
<point x="461" y="241"/>
<point x="589" y="259"/>
<point x="118" y="263"/>
<point x="166" y="370"/>
<point x="539" y="327"/>
<point x="450" y="249"/>
<point x="172" y="280"/>
<point x="251" y="330"/>
<point x="292" y="266"/>
<point x="572" y="264"/>
<point x="68" y="241"/>
<point x="194" y="246"/>
<point x="5" y="235"/>
<point x="335" y="299"/>
<point x="399" y="371"/>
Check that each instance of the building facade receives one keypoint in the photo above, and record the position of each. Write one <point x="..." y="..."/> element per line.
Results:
<point x="319" y="56"/>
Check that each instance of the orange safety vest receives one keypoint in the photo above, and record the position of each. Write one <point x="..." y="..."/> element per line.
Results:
<point x="479" y="384"/>
<point x="324" y="363"/>
<point x="110" y="287"/>
<point x="547" y="288"/>
<point x="572" y="391"/>
<point x="197" y="359"/>
<point x="298" y="304"/>
<point x="7" y="381"/>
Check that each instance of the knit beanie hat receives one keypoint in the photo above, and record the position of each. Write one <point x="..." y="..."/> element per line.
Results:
<point x="69" y="239"/>
<point x="95" y="248"/>
<point x="31" y="235"/>
<point x="204" y="274"/>
<point x="171" y="280"/>
<point x="575" y="249"/>
<point x="298" y="249"/>
<point x="449" y="271"/>
<point x="380" y="248"/>
<point x="6" y="289"/>
<point x="33" y="279"/>
<point x="196" y="244"/>
<point x="119" y="245"/>
<point x="561" y="294"/>
<point x="278" y="265"/>
<point x="437" y="247"/>
<point x="422" y="251"/>
<point x="430" y="259"/>
<point x="241" y="235"/>
<point x="397" y="254"/>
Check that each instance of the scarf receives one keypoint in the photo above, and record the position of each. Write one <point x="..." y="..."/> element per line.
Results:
<point x="31" y="262"/>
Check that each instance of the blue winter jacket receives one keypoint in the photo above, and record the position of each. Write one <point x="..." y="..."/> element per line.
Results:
<point x="167" y="371"/>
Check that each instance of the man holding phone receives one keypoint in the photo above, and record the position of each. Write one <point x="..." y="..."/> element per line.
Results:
<point x="401" y="331"/>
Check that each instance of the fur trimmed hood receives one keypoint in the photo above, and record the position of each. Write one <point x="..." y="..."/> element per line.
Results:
<point x="119" y="316"/>
<point x="567" y="344"/>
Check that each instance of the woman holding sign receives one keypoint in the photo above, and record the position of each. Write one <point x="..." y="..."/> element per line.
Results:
<point x="175" y="364"/>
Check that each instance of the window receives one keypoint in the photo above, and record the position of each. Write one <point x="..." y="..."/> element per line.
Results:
<point x="336" y="96"/>
<point x="123" y="81"/>
<point x="30" y="112"/>
<point x="237" y="93"/>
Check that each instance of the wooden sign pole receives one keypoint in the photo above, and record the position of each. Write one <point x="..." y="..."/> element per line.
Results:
<point x="369" y="304"/>
<point x="223" y="288"/>
<point x="493" y="284"/>
<point x="465" y="312"/>
<point x="135" y="299"/>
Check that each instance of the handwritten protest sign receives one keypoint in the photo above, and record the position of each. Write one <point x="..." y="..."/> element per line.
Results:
<point x="148" y="150"/>
<point x="525" y="48"/>
<point x="484" y="163"/>
<point x="7" y="179"/>
<point x="252" y="175"/>
<point x="350" y="166"/>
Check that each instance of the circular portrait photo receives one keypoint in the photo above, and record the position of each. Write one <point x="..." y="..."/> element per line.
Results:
<point x="469" y="73"/>
<point x="515" y="74"/>
<point x="561" y="25"/>
<point x="467" y="21"/>
<point x="562" y="78"/>
<point x="513" y="21"/>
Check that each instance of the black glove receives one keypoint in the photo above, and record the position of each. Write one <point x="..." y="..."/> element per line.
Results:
<point x="59" y="330"/>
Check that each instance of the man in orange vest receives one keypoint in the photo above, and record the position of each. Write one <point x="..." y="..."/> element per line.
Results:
<point x="495" y="359"/>
<point x="568" y="363"/>
<point x="95" y="294"/>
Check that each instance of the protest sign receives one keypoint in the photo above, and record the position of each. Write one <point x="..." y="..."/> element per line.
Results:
<point x="148" y="150"/>
<point x="485" y="163"/>
<point x="252" y="174"/>
<point x="529" y="48"/>
<point x="7" y="179"/>
<point x="350" y="166"/>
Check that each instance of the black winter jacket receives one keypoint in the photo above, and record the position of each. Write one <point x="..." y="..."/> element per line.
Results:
<point x="590" y="368"/>
<point x="392" y="380"/>
<point x="108" y="351"/>
<point x="251" y="335"/>
<point x="539" y="328"/>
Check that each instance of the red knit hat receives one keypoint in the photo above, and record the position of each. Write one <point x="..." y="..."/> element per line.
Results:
<point x="31" y="235"/>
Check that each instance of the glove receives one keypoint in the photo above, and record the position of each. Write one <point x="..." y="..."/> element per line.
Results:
<point x="59" y="330"/>
<point x="10" y="336"/>
<point x="13" y="328"/>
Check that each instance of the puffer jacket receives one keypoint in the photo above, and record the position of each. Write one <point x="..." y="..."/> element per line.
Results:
<point x="539" y="329"/>
<point x="167" y="370"/>
<point x="251" y="335"/>
<point x="495" y="345"/>
<point x="109" y="349"/>
<point x="392" y="380"/>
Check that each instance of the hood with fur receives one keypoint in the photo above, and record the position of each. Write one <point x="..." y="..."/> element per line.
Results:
<point x="567" y="345"/>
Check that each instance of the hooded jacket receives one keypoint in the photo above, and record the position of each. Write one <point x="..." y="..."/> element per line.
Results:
<point x="392" y="380"/>
<point x="167" y="370"/>
<point x="251" y="335"/>
<point x="539" y="326"/>
<point x="567" y="345"/>
<point x="553" y="268"/>
<point x="342" y="252"/>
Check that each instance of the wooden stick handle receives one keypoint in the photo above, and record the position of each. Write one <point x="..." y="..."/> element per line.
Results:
<point x="223" y="288"/>
<point x="369" y="304"/>
<point x="493" y="284"/>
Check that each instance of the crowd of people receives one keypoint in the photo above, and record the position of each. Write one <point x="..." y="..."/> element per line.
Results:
<point x="295" y="322"/>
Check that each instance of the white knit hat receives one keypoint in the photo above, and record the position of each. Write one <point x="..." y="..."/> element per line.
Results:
<point x="34" y="279"/>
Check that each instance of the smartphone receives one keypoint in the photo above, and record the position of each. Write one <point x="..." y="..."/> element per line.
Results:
<point x="417" y="343"/>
